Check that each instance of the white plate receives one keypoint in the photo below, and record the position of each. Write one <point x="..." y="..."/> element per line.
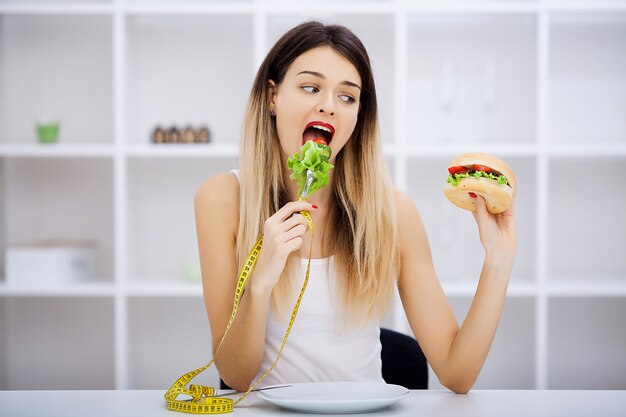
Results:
<point x="335" y="397"/>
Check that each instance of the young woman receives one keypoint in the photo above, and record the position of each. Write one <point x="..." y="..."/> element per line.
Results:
<point x="367" y="237"/>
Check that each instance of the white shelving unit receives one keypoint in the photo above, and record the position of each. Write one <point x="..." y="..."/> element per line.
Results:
<point x="542" y="84"/>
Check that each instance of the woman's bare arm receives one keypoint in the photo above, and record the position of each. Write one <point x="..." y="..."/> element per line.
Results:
<point x="455" y="353"/>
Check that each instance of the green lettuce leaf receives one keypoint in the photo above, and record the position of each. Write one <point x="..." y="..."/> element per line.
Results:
<point x="455" y="178"/>
<point x="313" y="156"/>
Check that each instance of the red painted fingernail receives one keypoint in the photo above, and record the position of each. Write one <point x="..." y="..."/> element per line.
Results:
<point x="314" y="206"/>
<point x="472" y="195"/>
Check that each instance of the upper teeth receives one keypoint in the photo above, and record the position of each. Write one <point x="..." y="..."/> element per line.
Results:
<point x="324" y="128"/>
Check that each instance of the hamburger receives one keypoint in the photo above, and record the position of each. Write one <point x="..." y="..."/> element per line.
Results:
<point x="474" y="174"/>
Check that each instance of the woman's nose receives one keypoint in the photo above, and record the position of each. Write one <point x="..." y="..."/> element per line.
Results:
<point x="327" y="106"/>
<point x="332" y="113"/>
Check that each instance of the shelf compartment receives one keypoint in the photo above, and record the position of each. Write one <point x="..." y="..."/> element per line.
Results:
<point x="69" y="290"/>
<point x="168" y="337"/>
<point x="586" y="343"/>
<point x="37" y="150"/>
<point x="152" y="289"/>
<point x="465" y="85"/>
<point x="510" y="364"/>
<point x="4" y="380"/>
<point x="178" y="75"/>
<point x="57" y="343"/>
<point x="587" y="86"/>
<point x="377" y="34"/>
<point x="603" y="288"/>
<point x="586" y="223"/>
<point x="3" y="225"/>
<point x="582" y="6"/>
<point x="60" y="198"/>
<point x="176" y="3"/>
<point x="161" y="226"/>
<point x="587" y="150"/>
<point x="189" y="7"/>
<point x="473" y="7"/>
<point x="455" y="244"/>
<point x="182" y="150"/>
<point x="93" y="8"/>
<point x="43" y="4"/>
<point x="503" y="150"/>
<point x="58" y="67"/>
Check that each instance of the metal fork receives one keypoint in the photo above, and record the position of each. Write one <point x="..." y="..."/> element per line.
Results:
<point x="310" y="177"/>
<point x="257" y="389"/>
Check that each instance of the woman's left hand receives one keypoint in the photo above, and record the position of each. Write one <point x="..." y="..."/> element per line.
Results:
<point x="497" y="231"/>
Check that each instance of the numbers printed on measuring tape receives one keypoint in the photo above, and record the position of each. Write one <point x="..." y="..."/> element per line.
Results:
<point x="202" y="399"/>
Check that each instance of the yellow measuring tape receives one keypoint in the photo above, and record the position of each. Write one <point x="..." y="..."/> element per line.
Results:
<point x="202" y="397"/>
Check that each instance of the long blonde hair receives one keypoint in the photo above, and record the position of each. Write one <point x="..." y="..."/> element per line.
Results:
<point x="362" y="217"/>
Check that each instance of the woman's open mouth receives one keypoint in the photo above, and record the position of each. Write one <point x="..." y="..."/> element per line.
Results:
<point x="318" y="130"/>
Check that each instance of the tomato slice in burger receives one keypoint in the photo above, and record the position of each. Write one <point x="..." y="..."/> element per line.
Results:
<point x="482" y="168"/>
<point x="457" y="169"/>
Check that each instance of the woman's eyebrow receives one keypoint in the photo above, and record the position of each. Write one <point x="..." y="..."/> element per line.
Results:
<point x="319" y="75"/>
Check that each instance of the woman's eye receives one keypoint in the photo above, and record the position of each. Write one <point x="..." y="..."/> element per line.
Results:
<point x="347" y="99"/>
<point x="310" y="89"/>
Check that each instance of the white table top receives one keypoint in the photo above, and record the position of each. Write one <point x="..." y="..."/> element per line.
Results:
<point x="484" y="403"/>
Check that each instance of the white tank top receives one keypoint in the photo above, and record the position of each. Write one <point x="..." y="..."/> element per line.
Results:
<point x="318" y="349"/>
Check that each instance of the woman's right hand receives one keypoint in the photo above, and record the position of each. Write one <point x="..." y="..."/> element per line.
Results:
<point x="283" y="234"/>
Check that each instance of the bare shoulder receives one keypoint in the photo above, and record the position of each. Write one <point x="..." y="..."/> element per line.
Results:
<point x="218" y="198"/>
<point x="222" y="188"/>
<point x="411" y="230"/>
<point x="405" y="207"/>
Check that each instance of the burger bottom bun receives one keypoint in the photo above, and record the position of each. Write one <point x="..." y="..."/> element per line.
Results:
<point x="498" y="197"/>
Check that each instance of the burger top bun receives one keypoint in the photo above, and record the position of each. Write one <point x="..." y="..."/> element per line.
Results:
<point x="487" y="160"/>
<point x="498" y="197"/>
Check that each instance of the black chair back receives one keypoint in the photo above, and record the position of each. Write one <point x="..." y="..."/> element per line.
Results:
<point x="403" y="361"/>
